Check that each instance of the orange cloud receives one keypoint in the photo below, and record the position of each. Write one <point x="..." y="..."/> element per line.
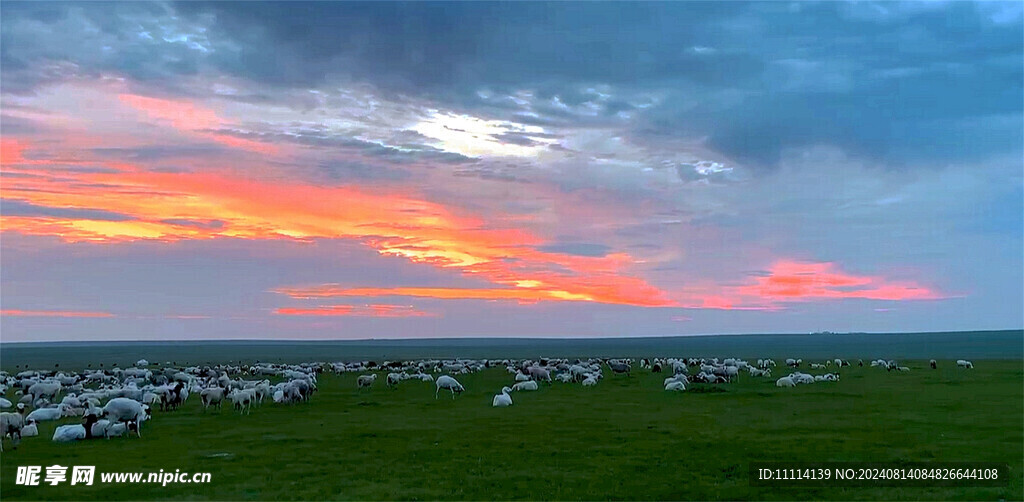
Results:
<point x="395" y="222"/>
<point x="52" y="313"/>
<point x="795" y="281"/>
<point x="377" y="310"/>
<point x="525" y="295"/>
<point x="189" y="117"/>
<point x="11" y="151"/>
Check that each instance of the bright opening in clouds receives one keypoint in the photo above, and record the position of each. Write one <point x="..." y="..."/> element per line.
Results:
<point x="354" y="170"/>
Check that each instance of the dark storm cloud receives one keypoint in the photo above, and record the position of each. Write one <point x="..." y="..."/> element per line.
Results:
<point x="900" y="83"/>
<point x="904" y="84"/>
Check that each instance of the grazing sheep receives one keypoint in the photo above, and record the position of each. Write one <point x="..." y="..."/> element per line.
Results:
<point x="447" y="382"/>
<point x="732" y="372"/>
<point x="393" y="379"/>
<point x="530" y="385"/>
<point x="618" y="367"/>
<point x="366" y="380"/>
<point x="540" y="374"/>
<point x="130" y="412"/>
<point x="212" y="396"/>
<point x="11" y="424"/>
<point x="243" y="399"/>
<point x="964" y="363"/>
<point x="503" y="399"/>
<point x="48" y="390"/>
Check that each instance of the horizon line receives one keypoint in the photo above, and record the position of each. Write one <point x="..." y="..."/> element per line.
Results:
<point x="553" y="338"/>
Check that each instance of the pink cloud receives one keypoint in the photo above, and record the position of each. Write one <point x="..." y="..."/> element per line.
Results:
<point x="375" y="310"/>
<point x="797" y="281"/>
<point x="52" y="313"/>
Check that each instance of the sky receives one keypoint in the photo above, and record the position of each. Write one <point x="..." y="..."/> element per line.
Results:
<point x="405" y="170"/>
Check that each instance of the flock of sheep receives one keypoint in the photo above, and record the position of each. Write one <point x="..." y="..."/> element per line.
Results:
<point x="115" y="401"/>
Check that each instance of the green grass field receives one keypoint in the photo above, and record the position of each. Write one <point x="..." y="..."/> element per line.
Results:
<point x="623" y="439"/>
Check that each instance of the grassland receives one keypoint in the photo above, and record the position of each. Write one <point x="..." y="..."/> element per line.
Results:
<point x="623" y="439"/>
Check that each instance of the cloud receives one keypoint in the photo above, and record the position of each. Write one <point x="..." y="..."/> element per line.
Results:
<point x="53" y="313"/>
<point x="578" y="249"/>
<point x="794" y="281"/>
<point x="374" y="310"/>
<point x="508" y="161"/>
<point x="10" y="208"/>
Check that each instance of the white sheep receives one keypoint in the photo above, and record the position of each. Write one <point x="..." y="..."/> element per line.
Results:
<point x="528" y="385"/>
<point x="538" y="373"/>
<point x="48" y="390"/>
<point x="31" y="429"/>
<point x="675" y="385"/>
<point x="590" y="381"/>
<point x="108" y="429"/>
<point x="212" y="396"/>
<point x="447" y="382"/>
<point x="503" y="399"/>
<point x="393" y="379"/>
<point x="11" y="424"/>
<point x="243" y="399"/>
<point x="69" y="433"/>
<point x="785" y="382"/>
<point x="46" y="414"/>
<point x="963" y="363"/>
<point x="802" y="378"/>
<point x="366" y="380"/>
<point x="121" y="409"/>
<point x="732" y="372"/>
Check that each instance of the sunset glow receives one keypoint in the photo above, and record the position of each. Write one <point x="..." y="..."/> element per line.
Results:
<point x="228" y="183"/>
